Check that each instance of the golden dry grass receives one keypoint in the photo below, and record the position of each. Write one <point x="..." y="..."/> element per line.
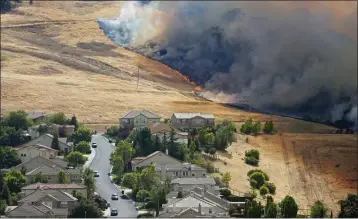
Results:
<point x="74" y="68"/>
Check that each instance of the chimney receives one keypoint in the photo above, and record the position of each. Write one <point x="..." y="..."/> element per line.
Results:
<point x="199" y="208"/>
<point x="167" y="151"/>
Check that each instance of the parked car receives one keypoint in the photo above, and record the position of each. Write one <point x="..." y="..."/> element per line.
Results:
<point x="114" y="196"/>
<point x="94" y="145"/>
<point x="114" y="212"/>
<point x="96" y="173"/>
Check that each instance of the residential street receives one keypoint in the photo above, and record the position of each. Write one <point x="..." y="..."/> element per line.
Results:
<point x="104" y="187"/>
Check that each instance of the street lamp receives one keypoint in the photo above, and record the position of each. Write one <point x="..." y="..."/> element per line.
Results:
<point x="85" y="214"/>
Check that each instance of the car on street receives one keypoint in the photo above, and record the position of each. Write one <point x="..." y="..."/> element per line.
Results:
<point x="114" y="212"/>
<point x="96" y="173"/>
<point x="94" y="145"/>
<point x="114" y="196"/>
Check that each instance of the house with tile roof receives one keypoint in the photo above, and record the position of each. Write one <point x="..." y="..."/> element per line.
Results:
<point x="182" y="170"/>
<point x="37" y="161"/>
<point x="138" y="119"/>
<point x="36" y="117"/>
<point x="187" y="184"/>
<point x="193" y="205"/>
<point x="43" y="203"/>
<point x="185" y="121"/>
<point x="51" y="173"/>
<point x="46" y="140"/>
<point x="156" y="157"/>
<point x="69" y="188"/>
<point x="28" y="152"/>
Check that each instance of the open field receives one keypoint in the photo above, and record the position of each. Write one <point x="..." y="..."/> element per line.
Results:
<point x="55" y="58"/>
<point x="309" y="167"/>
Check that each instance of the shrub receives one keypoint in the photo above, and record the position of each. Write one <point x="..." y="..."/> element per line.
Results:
<point x="253" y="153"/>
<point x="271" y="187"/>
<point x="259" y="178"/>
<point x="234" y="198"/>
<point x="258" y="171"/>
<point x="251" y="161"/>
<point x="225" y="192"/>
<point x="180" y="194"/>
<point x="264" y="190"/>
<point x="253" y="183"/>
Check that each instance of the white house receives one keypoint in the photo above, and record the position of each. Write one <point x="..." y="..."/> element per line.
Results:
<point x="28" y="152"/>
<point x="192" y="120"/>
<point x="182" y="170"/>
<point x="46" y="140"/>
<point x="187" y="184"/>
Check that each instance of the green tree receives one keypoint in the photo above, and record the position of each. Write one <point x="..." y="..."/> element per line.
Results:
<point x="126" y="150"/>
<point x="318" y="210"/>
<point x="75" y="158"/>
<point x="164" y="142"/>
<point x="86" y="208"/>
<point x="288" y="207"/>
<point x="129" y="180"/>
<point x="172" y="145"/>
<point x="349" y="207"/>
<point x="18" y="120"/>
<point x="74" y="122"/>
<point x="253" y="209"/>
<point x="83" y="147"/>
<point x="269" y="128"/>
<point x="58" y="118"/>
<point x="142" y="195"/>
<point x="202" y="136"/>
<point x="192" y="150"/>
<point x="89" y="182"/>
<point x="8" y="157"/>
<point x="226" y="178"/>
<point x="145" y="143"/>
<point x="5" y="193"/>
<point x="3" y="206"/>
<point x="224" y="135"/>
<point x="10" y="136"/>
<point x="157" y="144"/>
<point x="246" y="128"/>
<point x="271" y="208"/>
<point x="82" y="134"/>
<point x="113" y="131"/>
<point x="62" y="177"/>
<point x="15" y="180"/>
<point x="38" y="178"/>
<point x="253" y="153"/>
<point x="256" y="128"/>
<point x="101" y="202"/>
<point x="55" y="144"/>
<point x="259" y="179"/>
<point x="264" y="190"/>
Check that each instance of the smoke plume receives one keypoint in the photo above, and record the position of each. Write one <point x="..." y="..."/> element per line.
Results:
<point x="294" y="57"/>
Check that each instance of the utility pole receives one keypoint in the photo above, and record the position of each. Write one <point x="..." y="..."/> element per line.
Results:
<point x="138" y="79"/>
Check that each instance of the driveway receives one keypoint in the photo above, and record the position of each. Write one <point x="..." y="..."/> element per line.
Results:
<point x="104" y="187"/>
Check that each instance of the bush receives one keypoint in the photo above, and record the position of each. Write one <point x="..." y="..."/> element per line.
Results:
<point x="180" y="194"/>
<point x="234" y="198"/>
<point x="142" y="194"/>
<point x="264" y="190"/>
<point x="253" y="153"/>
<point x="258" y="171"/>
<point x="271" y="187"/>
<point x="225" y="192"/>
<point x="83" y="147"/>
<point x="251" y="161"/>
<point x="259" y="178"/>
<point x="253" y="183"/>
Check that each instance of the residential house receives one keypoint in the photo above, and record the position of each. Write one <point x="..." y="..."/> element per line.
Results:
<point x="187" y="184"/>
<point x="185" y="121"/>
<point x="65" y="130"/>
<point x="28" y="152"/>
<point x="162" y="129"/>
<point x="46" y="140"/>
<point x="157" y="157"/>
<point x="69" y="188"/>
<point x="193" y="205"/>
<point x="51" y="173"/>
<point x="33" y="131"/>
<point x="182" y="170"/>
<point x="38" y="161"/>
<point x="138" y="119"/>
<point x="44" y="204"/>
<point x="36" y="117"/>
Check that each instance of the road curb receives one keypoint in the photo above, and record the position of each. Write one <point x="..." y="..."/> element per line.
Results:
<point x="90" y="158"/>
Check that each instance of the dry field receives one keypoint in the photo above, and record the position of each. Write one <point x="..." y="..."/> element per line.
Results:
<point x="55" y="58"/>
<point x="309" y="167"/>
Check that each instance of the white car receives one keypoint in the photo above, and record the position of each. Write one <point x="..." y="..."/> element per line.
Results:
<point x="96" y="173"/>
<point x="94" y="145"/>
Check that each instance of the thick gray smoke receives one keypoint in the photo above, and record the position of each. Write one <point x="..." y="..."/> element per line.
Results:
<point x="284" y="57"/>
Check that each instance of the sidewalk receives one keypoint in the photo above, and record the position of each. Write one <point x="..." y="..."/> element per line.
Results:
<point x="89" y="158"/>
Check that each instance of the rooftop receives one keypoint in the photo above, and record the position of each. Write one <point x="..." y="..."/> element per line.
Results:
<point x="37" y="146"/>
<point x="35" y="115"/>
<point x="45" y="170"/>
<point x="178" y="167"/>
<point x="53" y="186"/>
<point x="194" y="181"/>
<point x="159" y="127"/>
<point x="135" y="113"/>
<point x="58" y="195"/>
<point x="192" y="115"/>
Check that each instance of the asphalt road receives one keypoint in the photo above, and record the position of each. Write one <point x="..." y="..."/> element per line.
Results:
<point x="104" y="187"/>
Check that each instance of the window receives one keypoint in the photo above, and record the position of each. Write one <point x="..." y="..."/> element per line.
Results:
<point x="176" y="173"/>
<point x="63" y="203"/>
<point x="203" y="174"/>
<point x="210" y="211"/>
<point x="192" y="174"/>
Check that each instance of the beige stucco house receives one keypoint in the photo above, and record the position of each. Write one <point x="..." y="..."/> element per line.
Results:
<point x="138" y="119"/>
<point x="186" y="121"/>
<point x="157" y="157"/>
<point x="36" y="117"/>
<point x="182" y="170"/>
<point x="46" y="140"/>
<point x="28" y="152"/>
<point x="38" y="161"/>
<point x="187" y="184"/>
<point x="69" y="188"/>
<point x="51" y="173"/>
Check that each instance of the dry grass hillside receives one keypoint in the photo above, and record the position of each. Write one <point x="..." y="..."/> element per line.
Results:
<point x="55" y="58"/>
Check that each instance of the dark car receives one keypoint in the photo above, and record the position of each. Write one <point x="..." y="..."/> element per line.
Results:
<point x="96" y="173"/>
<point x="114" y="212"/>
<point x="94" y="145"/>
<point x="109" y="140"/>
<point x="114" y="196"/>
